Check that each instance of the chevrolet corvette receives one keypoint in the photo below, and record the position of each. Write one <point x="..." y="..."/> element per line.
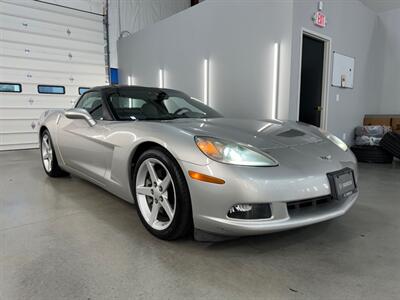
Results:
<point x="189" y="170"/>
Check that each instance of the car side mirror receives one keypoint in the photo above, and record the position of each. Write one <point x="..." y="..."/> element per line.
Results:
<point x="80" y="114"/>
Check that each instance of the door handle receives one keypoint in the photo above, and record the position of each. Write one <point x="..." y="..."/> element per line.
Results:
<point x="318" y="108"/>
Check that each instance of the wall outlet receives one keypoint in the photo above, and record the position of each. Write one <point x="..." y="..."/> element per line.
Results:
<point x="344" y="135"/>
<point x="337" y="97"/>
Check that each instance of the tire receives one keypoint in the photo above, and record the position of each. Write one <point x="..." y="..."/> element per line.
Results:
<point x="163" y="208"/>
<point x="48" y="155"/>
<point x="391" y="143"/>
<point x="372" y="154"/>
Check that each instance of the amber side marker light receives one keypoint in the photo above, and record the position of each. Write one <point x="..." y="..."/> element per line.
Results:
<point x="205" y="178"/>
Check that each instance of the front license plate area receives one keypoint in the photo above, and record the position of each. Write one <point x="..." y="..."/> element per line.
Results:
<point x="342" y="183"/>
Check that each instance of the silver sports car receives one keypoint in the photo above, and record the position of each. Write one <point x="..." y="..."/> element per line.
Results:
<point x="189" y="170"/>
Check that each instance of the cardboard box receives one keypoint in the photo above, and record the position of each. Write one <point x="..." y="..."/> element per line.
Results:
<point x="377" y="120"/>
<point x="396" y="124"/>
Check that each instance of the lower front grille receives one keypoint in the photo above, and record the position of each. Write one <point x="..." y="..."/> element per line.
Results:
<point x="309" y="203"/>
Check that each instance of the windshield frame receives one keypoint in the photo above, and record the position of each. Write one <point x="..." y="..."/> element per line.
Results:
<point x="156" y="91"/>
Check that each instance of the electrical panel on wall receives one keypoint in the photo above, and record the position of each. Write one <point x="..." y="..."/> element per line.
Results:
<point x="343" y="71"/>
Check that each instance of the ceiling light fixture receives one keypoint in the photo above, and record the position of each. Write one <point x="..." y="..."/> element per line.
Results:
<point x="275" y="82"/>
<point x="206" y="82"/>
<point x="161" y="78"/>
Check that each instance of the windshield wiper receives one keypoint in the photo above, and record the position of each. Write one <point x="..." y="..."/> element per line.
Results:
<point x="179" y="117"/>
<point x="157" y="119"/>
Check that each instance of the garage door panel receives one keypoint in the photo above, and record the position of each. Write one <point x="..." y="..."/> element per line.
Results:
<point x="27" y="76"/>
<point x="38" y="64"/>
<point x="94" y="6"/>
<point x="35" y="101"/>
<point x="49" y="45"/>
<point x="17" y="138"/>
<point x="17" y="113"/>
<point x="24" y="51"/>
<point x="57" y="15"/>
<point x="48" y="41"/>
<point x="10" y="126"/>
<point x="30" y="90"/>
<point x="50" y="29"/>
<point x="19" y="146"/>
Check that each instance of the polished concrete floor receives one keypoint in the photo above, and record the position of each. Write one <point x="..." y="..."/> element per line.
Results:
<point x="67" y="239"/>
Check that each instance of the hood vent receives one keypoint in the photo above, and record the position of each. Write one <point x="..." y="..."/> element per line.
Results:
<point x="291" y="133"/>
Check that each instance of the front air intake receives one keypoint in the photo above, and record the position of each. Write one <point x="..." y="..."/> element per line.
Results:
<point x="299" y="205"/>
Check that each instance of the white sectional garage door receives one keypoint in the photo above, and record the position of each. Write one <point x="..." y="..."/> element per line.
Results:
<point x="42" y="44"/>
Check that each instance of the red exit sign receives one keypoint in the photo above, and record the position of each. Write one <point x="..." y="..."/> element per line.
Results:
<point x="319" y="19"/>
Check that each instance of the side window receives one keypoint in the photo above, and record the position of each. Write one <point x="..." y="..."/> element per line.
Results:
<point x="121" y="102"/>
<point x="92" y="103"/>
<point x="127" y="108"/>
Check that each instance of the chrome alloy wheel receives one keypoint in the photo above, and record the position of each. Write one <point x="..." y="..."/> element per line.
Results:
<point x="155" y="194"/>
<point x="47" y="152"/>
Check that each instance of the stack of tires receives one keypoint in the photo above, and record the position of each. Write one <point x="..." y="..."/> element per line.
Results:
<point x="367" y="146"/>
<point x="391" y="143"/>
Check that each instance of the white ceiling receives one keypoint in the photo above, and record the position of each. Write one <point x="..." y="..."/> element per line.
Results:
<point x="381" y="5"/>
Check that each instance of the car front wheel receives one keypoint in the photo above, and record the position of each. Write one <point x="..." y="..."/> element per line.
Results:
<point x="49" y="159"/>
<point x="161" y="195"/>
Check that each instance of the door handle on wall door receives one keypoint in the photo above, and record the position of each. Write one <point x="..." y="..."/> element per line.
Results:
<point x="319" y="108"/>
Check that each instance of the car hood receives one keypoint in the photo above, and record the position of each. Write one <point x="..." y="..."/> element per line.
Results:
<point x="263" y="134"/>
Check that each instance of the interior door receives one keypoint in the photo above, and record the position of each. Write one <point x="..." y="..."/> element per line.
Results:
<point x="82" y="146"/>
<point x="312" y="70"/>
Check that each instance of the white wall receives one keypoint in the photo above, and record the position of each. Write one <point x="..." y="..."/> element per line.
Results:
<point x="353" y="29"/>
<point x="238" y="38"/>
<point x="238" y="41"/>
<point x="390" y="57"/>
<point x="130" y="16"/>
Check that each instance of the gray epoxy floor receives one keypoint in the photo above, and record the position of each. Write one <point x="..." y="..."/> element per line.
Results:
<point x="67" y="239"/>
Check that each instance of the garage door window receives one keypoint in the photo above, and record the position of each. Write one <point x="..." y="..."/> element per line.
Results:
<point x="51" y="89"/>
<point x="83" y="90"/>
<point x="10" y="88"/>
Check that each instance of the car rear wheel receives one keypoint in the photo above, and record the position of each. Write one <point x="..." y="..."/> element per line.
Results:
<point x="161" y="195"/>
<point x="49" y="159"/>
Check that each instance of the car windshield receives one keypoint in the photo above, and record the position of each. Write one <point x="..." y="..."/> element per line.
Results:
<point x="145" y="104"/>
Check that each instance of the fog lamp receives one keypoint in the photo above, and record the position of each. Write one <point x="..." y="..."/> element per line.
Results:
<point x="250" y="211"/>
<point x="241" y="208"/>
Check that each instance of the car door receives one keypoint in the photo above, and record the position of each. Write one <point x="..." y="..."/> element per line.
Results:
<point x="82" y="146"/>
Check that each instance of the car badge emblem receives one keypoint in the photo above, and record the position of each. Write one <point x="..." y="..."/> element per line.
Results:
<point x="326" y="157"/>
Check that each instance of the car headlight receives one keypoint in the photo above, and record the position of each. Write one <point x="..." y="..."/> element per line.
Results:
<point x="233" y="153"/>
<point x="334" y="139"/>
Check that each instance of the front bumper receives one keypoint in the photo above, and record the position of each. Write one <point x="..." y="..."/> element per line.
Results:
<point x="274" y="185"/>
<point x="279" y="221"/>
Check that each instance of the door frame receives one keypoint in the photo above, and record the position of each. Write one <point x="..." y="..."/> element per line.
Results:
<point x="325" y="73"/>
